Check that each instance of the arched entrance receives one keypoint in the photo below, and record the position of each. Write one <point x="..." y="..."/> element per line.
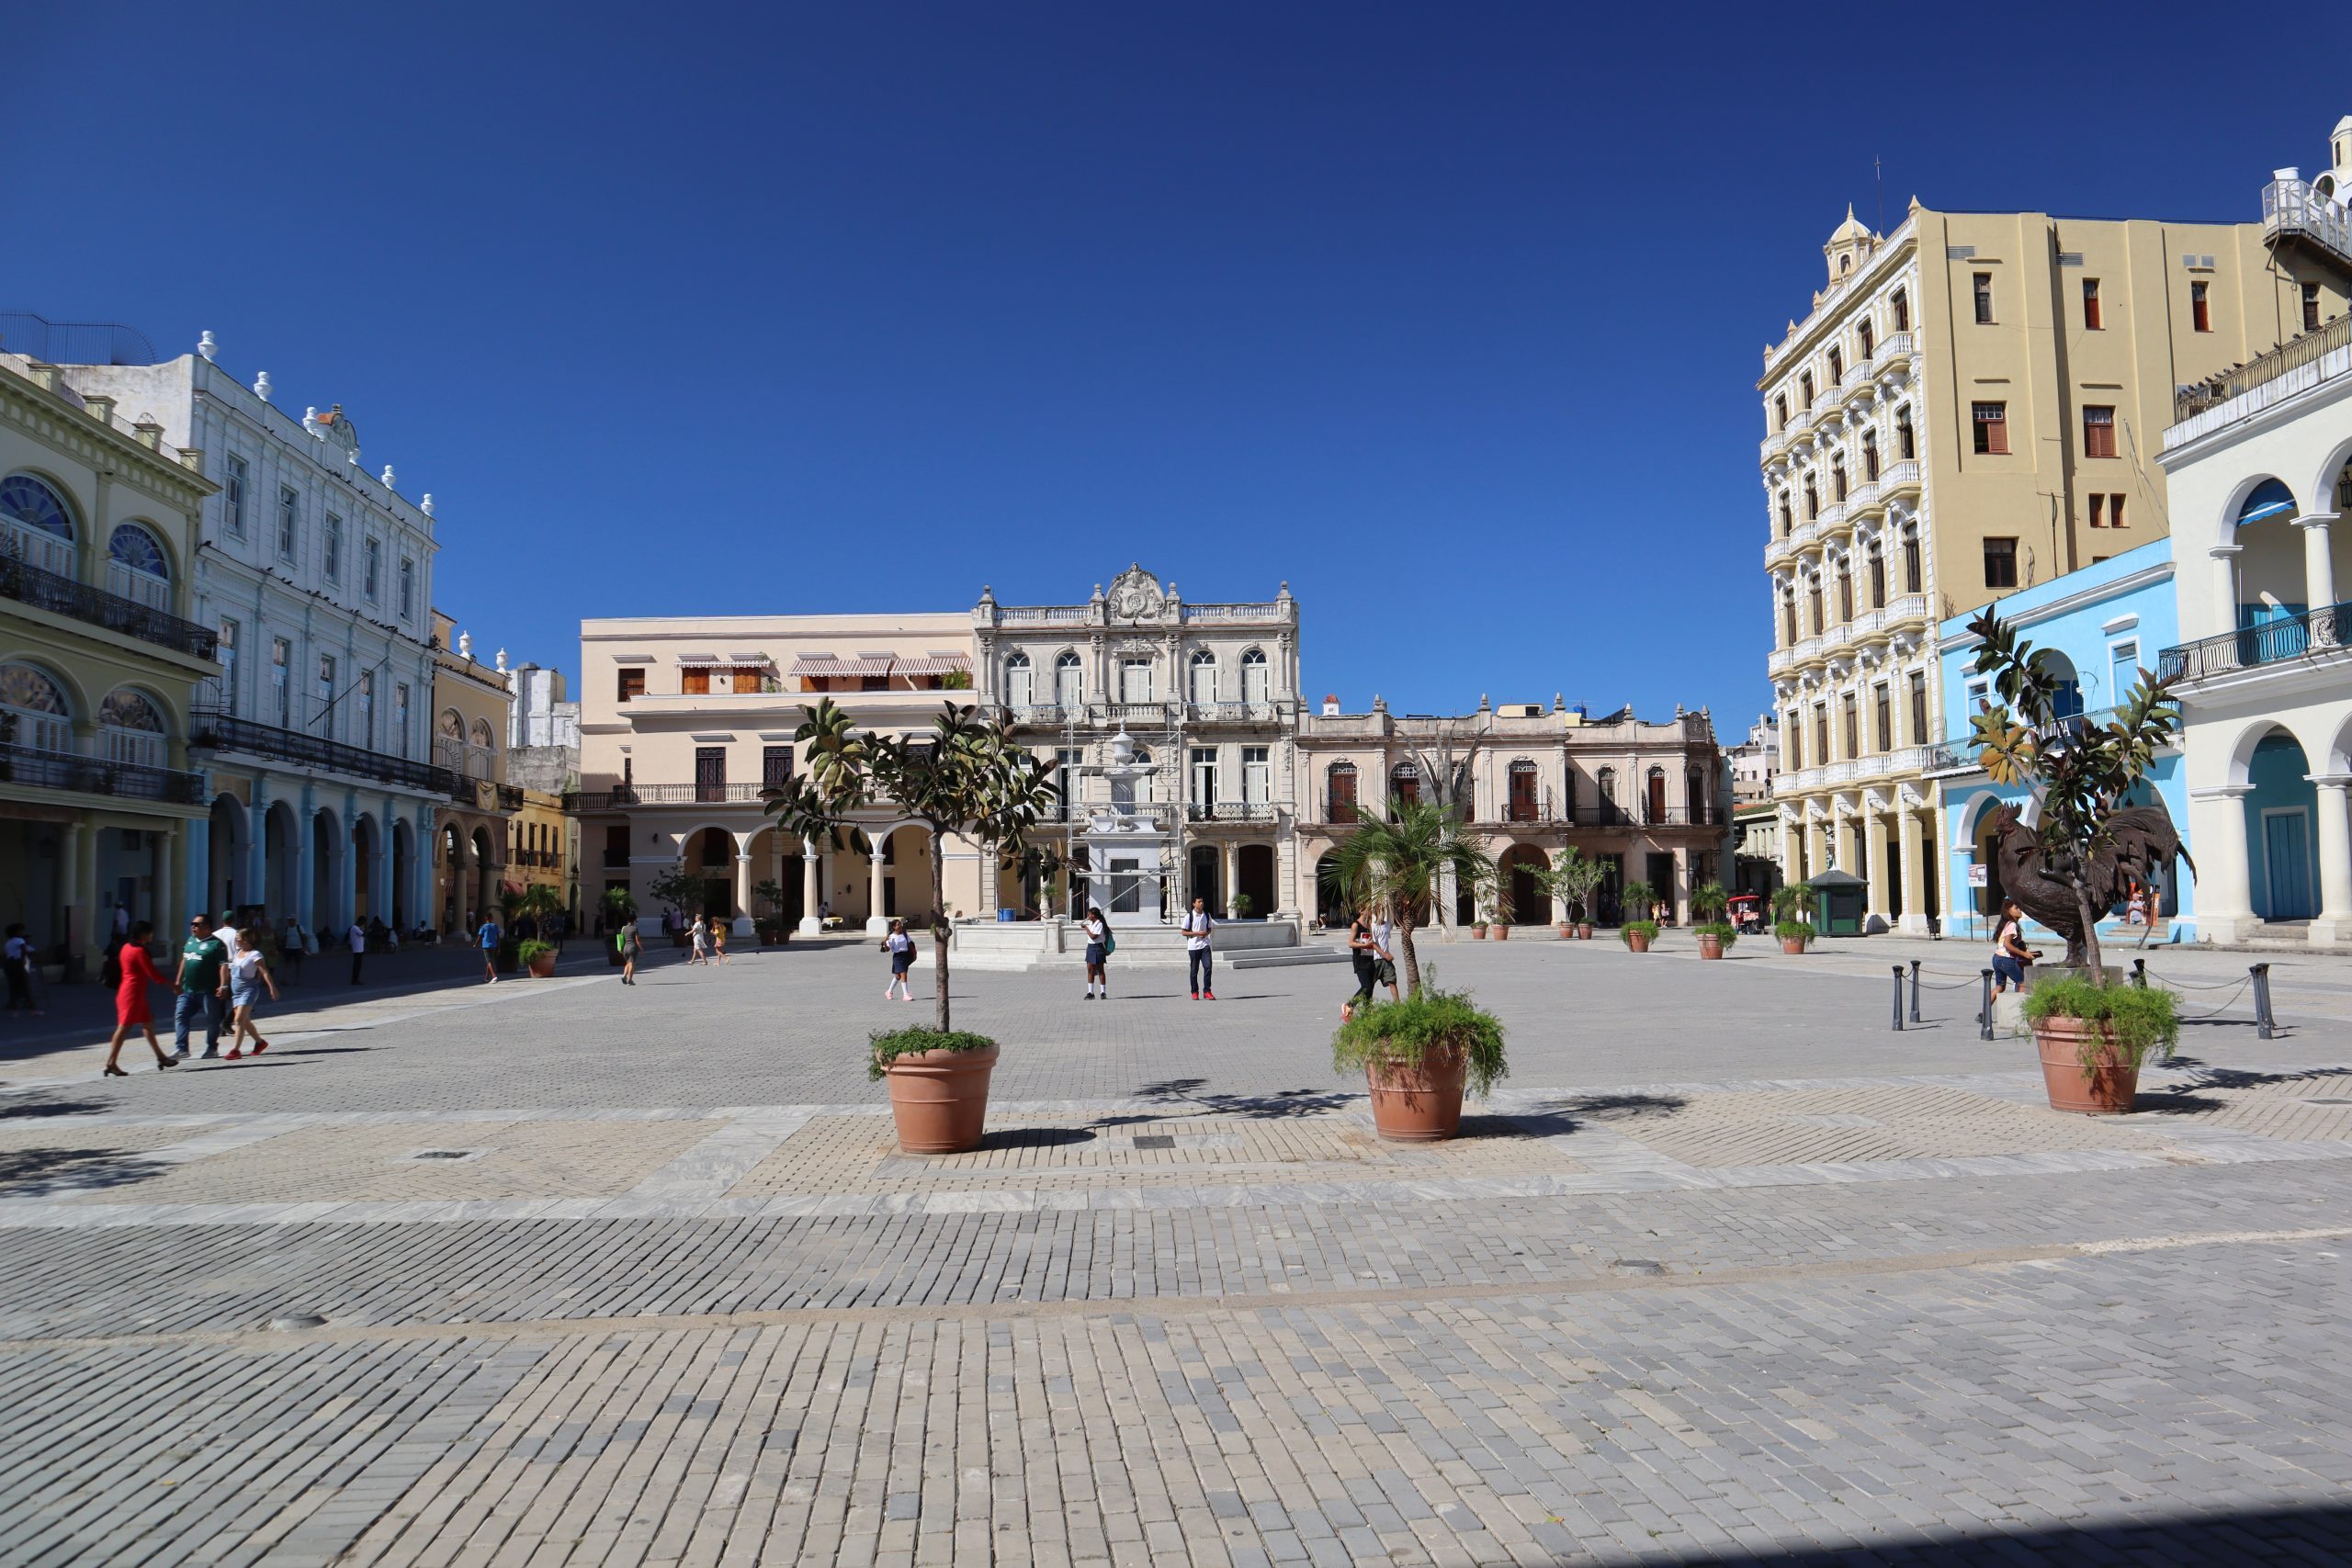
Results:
<point x="1201" y="881"/>
<point x="1529" y="905"/>
<point x="906" y="874"/>
<point x="280" y="857"/>
<point x="1253" y="878"/>
<point x="404" y="875"/>
<point x="710" y="861"/>
<point x="1331" y="905"/>
<point x="485" y="877"/>
<point x="367" y="849"/>
<point x="228" y="851"/>
<point x="453" y="878"/>
<point x="328" y="913"/>
<point x="2281" y="820"/>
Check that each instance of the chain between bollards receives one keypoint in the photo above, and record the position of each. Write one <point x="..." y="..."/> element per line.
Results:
<point x="1915" y="992"/>
<point x="1985" y="1008"/>
<point x="1898" y="999"/>
<point x="2263" y="1021"/>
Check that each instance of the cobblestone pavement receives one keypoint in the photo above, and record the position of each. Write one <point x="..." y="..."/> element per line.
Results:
<point x="564" y="1273"/>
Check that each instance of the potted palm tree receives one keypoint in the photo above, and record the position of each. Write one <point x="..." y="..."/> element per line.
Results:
<point x="535" y="904"/>
<point x="2091" y="1030"/>
<point x="1716" y="934"/>
<point x="965" y="776"/>
<point x="1790" y="903"/>
<point x="1418" y="1055"/>
<point x="1638" y="932"/>
<point x="620" y="908"/>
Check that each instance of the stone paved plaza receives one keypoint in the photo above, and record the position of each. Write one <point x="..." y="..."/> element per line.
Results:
<point x="560" y="1272"/>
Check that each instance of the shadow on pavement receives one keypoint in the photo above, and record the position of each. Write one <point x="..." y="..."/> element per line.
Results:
<point x="2318" y="1534"/>
<point x="40" y="1173"/>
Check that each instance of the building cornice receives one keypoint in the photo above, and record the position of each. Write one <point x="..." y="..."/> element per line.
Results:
<point x="107" y="447"/>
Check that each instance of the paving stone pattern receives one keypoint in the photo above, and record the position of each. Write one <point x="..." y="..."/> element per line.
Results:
<point x="1726" y="1269"/>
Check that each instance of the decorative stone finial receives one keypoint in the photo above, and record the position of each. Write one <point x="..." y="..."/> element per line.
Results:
<point x="1285" y="592"/>
<point x="261" y="385"/>
<point x="310" y="420"/>
<point x="502" y="660"/>
<point x="425" y="505"/>
<point x="1098" y="595"/>
<point x="1557" y="705"/>
<point x="206" y="346"/>
<point x="466" y="646"/>
<point x="352" y="457"/>
<point x="388" y="476"/>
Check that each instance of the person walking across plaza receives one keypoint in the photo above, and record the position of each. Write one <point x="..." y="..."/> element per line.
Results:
<point x="718" y="941"/>
<point x="632" y="948"/>
<point x="17" y="961"/>
<point x="1384" y="956"/>
<point x="487" y="940"/>
<point x="1200" y="956"/>
<point x="130" y="1009"/>
<point x="1363" y="951"/>
<point x="248" y="973"/>
<point x="290" y="940"/>
<point x="2010" y="954"/>
<point x="698" y="941"/>
<point x="901" y="949"/>
<point x="202" y="980"/>
<point x="356" y="940"/>
<point x="1098" y="946"/>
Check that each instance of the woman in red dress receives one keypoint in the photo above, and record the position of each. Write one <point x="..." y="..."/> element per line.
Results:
<point x="130" y="1001"/>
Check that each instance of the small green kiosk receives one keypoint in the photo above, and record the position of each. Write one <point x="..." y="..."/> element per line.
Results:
<point x="1841" y="902"/>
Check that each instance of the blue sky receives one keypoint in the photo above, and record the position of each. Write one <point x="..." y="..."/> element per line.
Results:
<point x="1448" y="315"/>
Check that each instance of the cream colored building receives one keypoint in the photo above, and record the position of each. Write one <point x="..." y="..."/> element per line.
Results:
<point x="684" y="721"/>
<point x="1646" y="798"/>
<point x="99" y="809"/>
<point x="471" y="711"/>
<point x="1972" y="405"/>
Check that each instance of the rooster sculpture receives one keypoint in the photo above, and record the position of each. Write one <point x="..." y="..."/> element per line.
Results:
<point x="2140" y="840"/>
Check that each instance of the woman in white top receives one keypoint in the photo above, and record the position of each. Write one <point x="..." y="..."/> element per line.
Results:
<point x="901" y="949"/>
<point x="700" y="937"/>
<point x="1098" y="953"/>
<point x="248" y="973"/>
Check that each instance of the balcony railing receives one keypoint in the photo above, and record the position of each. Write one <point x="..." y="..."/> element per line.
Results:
<point x="2273" y="642"/>
<point x="2312" y="346"/>
<point x="660" y="794"/>
<point x="1779" y="661"/>
<point x="96" y="775"/>
<point x="1898" y="346"/>
<point x="1233" y="713"/>
<point x="29" y="584"/>
<point x="1899" y="476"/>
<point x="213" y="730"/>
<point x="2291" y="209"/>
<point x="1229" y="811"/>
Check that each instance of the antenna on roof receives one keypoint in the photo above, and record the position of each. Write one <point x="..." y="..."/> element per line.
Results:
<point x="1878" y="170"/>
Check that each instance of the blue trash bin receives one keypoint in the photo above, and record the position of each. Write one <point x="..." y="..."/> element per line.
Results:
<point x="1006" y="916"/>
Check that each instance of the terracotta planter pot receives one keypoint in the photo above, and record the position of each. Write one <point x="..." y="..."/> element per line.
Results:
<point x="1793" y="946"/>
<point x="543" y="965"/>
<point x="2113" y="1084"/>
<point x="940" y="1099"/>
<point x="1564" y="930"/>
<point x="1584" y="931"/>
<point x="1502" y="933"/>
<point x="1638" y="943"/>
<point x="1711" y="947"/>
<point x="1479" y="932"/>
<point x="1418" y="1105"/>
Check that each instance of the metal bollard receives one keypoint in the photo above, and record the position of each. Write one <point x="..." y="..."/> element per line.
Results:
<point x="1915" y="992"/>
<point x="1985" y="1006"/>
<point x="1898" y="999"/>
<point x="2263" y="1021"/>
<point x="2139" y="973"/>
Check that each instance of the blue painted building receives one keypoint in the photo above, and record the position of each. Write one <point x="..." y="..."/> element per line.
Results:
<point x="2105" y="623"/>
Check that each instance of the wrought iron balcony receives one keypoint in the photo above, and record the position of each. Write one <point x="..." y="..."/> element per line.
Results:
<point x="213" y="730"/>
<point x="622" y="796"/>
<point x="96" y="775"/>
<point x="2280" y="641"/>
<point x="61" y="595"/>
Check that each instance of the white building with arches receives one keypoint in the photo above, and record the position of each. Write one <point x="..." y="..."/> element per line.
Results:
<point x="99" y="660"/>
<point x="2260" y="470"/>
<point x="316" y="578"/>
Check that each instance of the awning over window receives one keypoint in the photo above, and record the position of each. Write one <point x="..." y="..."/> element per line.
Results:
<point x="832" y="664"/>
<point x="2270" y="499"/>
<point x="934" y="664"/>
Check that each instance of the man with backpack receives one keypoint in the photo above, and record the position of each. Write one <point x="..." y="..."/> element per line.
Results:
<point x="1200" y="960"/>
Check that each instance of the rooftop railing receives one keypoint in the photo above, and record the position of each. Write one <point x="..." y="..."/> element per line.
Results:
<point x="2272" y="642"/>
<point x="2190" y="401"/>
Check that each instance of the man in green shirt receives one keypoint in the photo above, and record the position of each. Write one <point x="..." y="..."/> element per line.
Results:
<point x="203" y="981"/>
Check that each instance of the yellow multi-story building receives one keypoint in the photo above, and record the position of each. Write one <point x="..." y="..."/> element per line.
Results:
<point x="1970" y="406"/>
<point x="98" y="525"/>
<point x="471" y="711"/>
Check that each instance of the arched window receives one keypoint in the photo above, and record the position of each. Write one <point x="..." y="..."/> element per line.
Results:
<point x="137" y="567"/>
<point x="483" y="755"/>
<point x="1255" y="685"/>
<point x="35" y="524"/>
<point x="1340" y="792"/>
<point x="1019" y="691"/>
<point x="449" y="741"/>
<point x="1911" y="560"/>
<point x="132" y="728"/>
<point x="1204" y="678"/>
<point x="1523" y="804"/>
<point x="1404" y="785"/>
<point x="1070" y="680"/>
<point x="32" y="710"/>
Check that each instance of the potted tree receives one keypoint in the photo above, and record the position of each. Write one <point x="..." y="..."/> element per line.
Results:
<point x="771" y="894"/>
<point x="1587" y="874"/>
<point x="1242" y="905"/>
<point x="536" y="903"/>
<point x="1570" y="879"/>
<point x="620" y="908"/>
<point x="1716" y="934"/>
<point x="963" y="776"/>
<point x="1417" y="1055"/>
<point x="2084" y="844"/>
<point x="1790" y="905"/>
<point x="1638" y="932"/>
<point x="675" y="890"/>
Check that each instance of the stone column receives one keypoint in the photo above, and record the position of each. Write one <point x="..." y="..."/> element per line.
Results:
<point x="743" y="926"/>
<point x="1229" y="864"/>
<point x="347" y="876"/>
<point x="1881" y="891"/>
<point x="187" y="850"/>
<point x="2334" y="832"/>
<point x="2225" y="585"/>
<point x="2319" y="578"/>
<point x="811" y="889"/>
<point x="1918" y="855"/>
<point x="257" y="868"/>
<point x="1816" y="852"/>
<point x="2225" y="890"/>
<point x="877" y="922"/>
<point x="306" y="833"/>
